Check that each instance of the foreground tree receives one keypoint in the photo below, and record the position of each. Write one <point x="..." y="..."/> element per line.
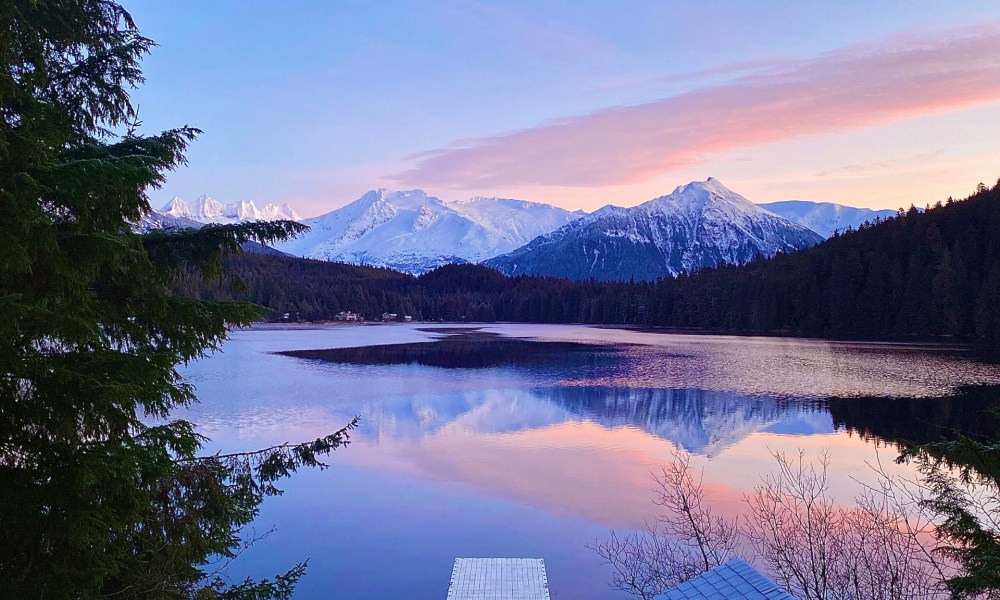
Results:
<point x="98" y="501"/>
<point x="821" y="549"/>
<point x="962" y="479"/>
<point x="686" y="539"/>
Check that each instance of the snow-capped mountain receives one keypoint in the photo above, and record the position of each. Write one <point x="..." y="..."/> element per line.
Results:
<point x="518" y="221"/>
<point x="156" y="220"/>
<point x="412" y="232"/>
<point x="702" y="224"/>
<point x="209" y="210"/>
<point x="824" y="217"/>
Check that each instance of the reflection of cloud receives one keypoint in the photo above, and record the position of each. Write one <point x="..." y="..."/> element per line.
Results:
<point x="577" y="468"/>
<point x="605" y="474"/>
<point x="850" y="88"/>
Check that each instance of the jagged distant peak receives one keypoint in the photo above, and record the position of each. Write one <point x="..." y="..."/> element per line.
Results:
<point x="206" y="209"/>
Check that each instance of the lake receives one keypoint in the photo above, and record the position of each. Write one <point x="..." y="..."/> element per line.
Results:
<point x="515" y="440"/>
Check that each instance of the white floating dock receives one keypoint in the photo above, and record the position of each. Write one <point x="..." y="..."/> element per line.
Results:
<point x="498" y="579"/>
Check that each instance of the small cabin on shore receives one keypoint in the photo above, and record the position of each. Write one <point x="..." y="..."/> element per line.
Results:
<point x="346" y="315"/>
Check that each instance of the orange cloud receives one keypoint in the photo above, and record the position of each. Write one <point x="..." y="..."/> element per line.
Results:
<point x="847" y="89"/>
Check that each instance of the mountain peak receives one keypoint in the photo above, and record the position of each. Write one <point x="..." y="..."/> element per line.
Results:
<point x="699" y="225"/>
<point x="411" y="231"/>
<point x="206" y="209"/>
<point x="177" y="206"/>
<point x="711" y="185"/>
<point x="395" y="197"/>
<point x="698" y="196"/>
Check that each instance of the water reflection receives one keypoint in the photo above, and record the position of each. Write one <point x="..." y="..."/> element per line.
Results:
<point x="703" y="421"/>
<point x="698" y="421"/>
<point x="970" y="412"/>
<point x="472" y="349"/>
<point x="532" y="440"/>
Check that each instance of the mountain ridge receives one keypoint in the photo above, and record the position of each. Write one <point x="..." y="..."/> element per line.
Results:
<point x="698" y="225"/>
<point x="206" y="209"/>
<point x="413" y="232"/>
<point x="825" y="218"/>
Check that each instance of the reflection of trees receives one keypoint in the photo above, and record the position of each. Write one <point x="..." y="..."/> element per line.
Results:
<point x="961" y="474"/>
<point x="937" y="537"/>
<point x="475" y="351"/>
<point x="919" y="420"/>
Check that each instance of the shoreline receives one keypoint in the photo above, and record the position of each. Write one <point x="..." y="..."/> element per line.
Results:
<point x="954" y="346"/>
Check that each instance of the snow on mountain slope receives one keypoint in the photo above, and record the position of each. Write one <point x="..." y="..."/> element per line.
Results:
<point x="516" y="221"/>
<point x="209" y="210"/>
<point x="413" y="232"/>
<point x="702" y="224"/>
<point x="824" y="217"/>
<point x="156" y="220"/>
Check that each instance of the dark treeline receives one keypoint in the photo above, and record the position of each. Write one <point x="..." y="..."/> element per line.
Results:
<point x="971" y="411"/>
<point x="314" y="290"/>
<point x="919" y="276"/>
<point x="931" y="275"/>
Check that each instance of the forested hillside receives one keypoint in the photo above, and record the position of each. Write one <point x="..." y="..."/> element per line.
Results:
<point x="921" y="275"/>
<point x="932" y="275"/>
<point x="313" y="289"/>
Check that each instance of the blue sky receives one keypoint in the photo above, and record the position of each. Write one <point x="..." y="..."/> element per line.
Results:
<point x="313" y="103"/>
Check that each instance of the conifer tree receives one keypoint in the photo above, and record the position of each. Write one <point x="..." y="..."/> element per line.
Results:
<point x="102" y="495"/>
<point x="962" y="478"/>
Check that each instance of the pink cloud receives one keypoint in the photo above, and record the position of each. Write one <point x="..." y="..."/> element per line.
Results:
<point x="847" y="89"/>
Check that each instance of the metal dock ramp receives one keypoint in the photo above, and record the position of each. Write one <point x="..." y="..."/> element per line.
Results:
<point x="498" y="579"/>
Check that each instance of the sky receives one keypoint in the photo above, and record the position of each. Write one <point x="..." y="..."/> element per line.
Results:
<point x="575" y="103"/>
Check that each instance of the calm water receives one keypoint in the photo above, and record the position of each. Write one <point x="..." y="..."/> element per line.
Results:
<point x="533" y="440"/>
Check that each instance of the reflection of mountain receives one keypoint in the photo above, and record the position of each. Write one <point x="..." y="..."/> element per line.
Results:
<point x="696" y="420"/>
<point x="470" y="413"/>
<point x="699" y="421"/>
